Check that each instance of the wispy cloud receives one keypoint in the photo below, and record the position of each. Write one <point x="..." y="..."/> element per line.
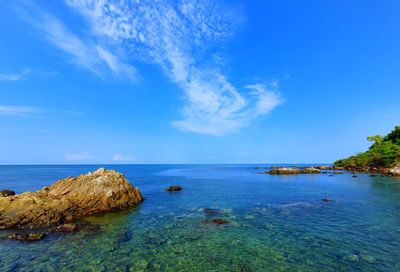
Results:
<point x="19" y="110"/>
<point x="83" y="52"/>
<point x="14" y="77"/>
<point x="121" y="158"/>
<point x="179" y="36"/>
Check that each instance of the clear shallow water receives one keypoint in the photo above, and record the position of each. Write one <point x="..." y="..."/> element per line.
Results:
<point x="277" y="223"/>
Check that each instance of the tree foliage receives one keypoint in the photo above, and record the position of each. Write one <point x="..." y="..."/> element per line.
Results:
<point x="384" y="152"/>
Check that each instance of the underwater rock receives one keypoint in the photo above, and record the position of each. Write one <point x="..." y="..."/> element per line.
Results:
<point x="325" y="199"/>
<point x="219" y="221"/>
<point x="210" y="211"/>
<point x="68" y="199"/>
<point x="29" y="237"/>
<point x="124" y="237"/>
<point x="174" y="188"/>
<point x="5" y="193"/>
<point x="354" y="176"/>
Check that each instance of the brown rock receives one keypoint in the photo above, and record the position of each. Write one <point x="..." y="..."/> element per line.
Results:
<point x="310" y="170"/>
<point x="69" y="199"/>
<point x="174" y="188"/>
<point x="293" y="171"/>
<point x="220" y="221"/>
<point x="29" y="237"/>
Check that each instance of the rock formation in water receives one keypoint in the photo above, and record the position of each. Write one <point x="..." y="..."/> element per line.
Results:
<point x="293" y="171"/>
<point x="68" y="199"/>
<point x="174" y="188"/>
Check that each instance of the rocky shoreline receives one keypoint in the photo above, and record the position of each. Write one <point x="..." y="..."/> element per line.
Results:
<point x="57" y="207"/>
<point x="293" y="170"/>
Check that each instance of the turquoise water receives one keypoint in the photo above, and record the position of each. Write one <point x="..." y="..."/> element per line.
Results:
<point x="277" y="223"/>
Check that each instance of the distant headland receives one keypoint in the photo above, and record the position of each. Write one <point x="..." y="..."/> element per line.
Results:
<point x="383" y="156"/>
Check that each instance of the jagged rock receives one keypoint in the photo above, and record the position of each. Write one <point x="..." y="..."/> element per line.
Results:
<point x="324" y="167"/>
<point x="69" y="199"/>
<point x="174" y="188"/>
<point x="395" y="171"/>
<point x="293" y="171"/>
<point x="284" y="171"/>
<point x="310" y="170"/>
<point x="29" y="237"/>
<point x="4" y="193"/>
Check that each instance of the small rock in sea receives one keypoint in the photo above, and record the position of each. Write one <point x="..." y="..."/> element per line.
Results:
<point x="124" y="237"/>
<point x="219" y="221"/>
<point x="68" y="227"/>
<point x="373" y="175"/>
<point x="174" y="188"/>
<point x="354" y="176"/>
<point x="325" y="199"/>
<point x="4" y="193"/>
<point x="352" y="257"/>
<point x="29" y="237"/>
<point x="331" y="175"/>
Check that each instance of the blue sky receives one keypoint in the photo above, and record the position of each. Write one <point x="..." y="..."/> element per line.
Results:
<point x="191" y="81"/>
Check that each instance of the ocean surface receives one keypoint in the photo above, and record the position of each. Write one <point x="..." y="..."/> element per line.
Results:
<point x="276" y="223"/>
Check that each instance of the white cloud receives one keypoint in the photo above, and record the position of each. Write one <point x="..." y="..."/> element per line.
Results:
<point x="14" y="77"/>
<point x="81" y="156"/>
<point x="83" y="52"/>
<point x="179" y="36"/>
<point x="120" y="157"/>
<point x="19" y="110"/>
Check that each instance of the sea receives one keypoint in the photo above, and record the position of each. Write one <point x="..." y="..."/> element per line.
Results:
<point x="272" y="222"/>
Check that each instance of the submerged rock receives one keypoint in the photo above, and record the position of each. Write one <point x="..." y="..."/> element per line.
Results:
<point x="69" y="199"/>
<point x="174" y="188"/>
<point x="210" y="211"/>
<point x="5" y="193"/>
<point x="29" y="237"/>
<point x="216" y="221"/>
<point x="220" y="221"/>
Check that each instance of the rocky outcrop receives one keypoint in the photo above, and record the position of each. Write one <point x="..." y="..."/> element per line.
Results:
<point x="68" y="199"/>
<point x="293" y="171"/>
<point x="395" y="171"/>
<point x="174" y="188"/>
<point x="324" y="167"/>
<point x="28" y="237"/>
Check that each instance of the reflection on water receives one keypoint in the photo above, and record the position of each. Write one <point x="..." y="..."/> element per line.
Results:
<point x="276" y="223"/>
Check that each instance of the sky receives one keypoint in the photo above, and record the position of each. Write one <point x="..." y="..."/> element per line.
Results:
<point x="190" y="81"/>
